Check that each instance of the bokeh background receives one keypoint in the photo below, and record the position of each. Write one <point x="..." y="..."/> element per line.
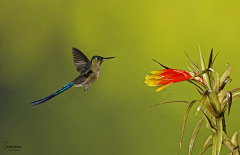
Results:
<point x="113" y="116"/>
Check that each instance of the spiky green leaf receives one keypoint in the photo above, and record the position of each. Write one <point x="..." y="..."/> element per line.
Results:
<point x="204" y="150"/>
<point x="221" y="96"/>
<point x="207" y="141"/>
<point x="205" y="76"/>
<point x="168" y="102"/>
<point x="225" y="75"/>
<point x="211" y="108"/>
<point x="203" y="98"/>
<point x="229" y="96"/>
<point x="217" y="83"/>
<point x="234" y="138"/>
<point x="209" y="123"/>
<point x="194" y="135"/>
<point x="203" y="72"/>
<point x="210" y="62"/>
<point x="185" y="119"/>
<point x="224" y="83"/>
<point x="194" y="66"/>
<point x="215" y="57"/>
<point x="210" y="65"/>
<point x="198" y="84"/>
<point x="226" y="102"/>
<point x="214" y="102"/>
<point x="161" y="64"/>
<point x="234" y="90"/>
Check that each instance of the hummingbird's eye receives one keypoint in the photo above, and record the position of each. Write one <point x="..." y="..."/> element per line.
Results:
<point x="98" y="58"/>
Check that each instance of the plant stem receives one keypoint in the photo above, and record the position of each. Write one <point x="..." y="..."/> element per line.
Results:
<point x="222" y="138"/>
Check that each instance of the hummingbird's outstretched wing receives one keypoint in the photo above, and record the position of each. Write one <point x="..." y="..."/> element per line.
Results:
<point x="66" y="87"/>
<point x="80" y="60"/>
<point x="82" y="78"/>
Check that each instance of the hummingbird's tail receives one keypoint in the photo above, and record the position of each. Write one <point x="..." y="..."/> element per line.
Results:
<point x="66" y="87"/>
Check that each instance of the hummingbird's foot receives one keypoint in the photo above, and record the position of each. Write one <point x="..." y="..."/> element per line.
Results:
<point x="86" y="88"/>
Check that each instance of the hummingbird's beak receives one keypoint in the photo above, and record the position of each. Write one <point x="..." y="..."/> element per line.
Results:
<point x="108" y="58"/>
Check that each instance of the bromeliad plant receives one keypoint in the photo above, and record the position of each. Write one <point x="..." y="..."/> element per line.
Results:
<point x="213" y="103"/>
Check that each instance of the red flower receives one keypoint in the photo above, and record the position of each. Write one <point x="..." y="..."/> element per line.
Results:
<point x="167" y="77"/>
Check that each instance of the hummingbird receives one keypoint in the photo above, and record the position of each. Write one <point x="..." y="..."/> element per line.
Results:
<point x="89" y="72"/>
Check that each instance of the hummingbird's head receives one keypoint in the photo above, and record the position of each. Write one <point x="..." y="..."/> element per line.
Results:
<point x="97" y="60"/>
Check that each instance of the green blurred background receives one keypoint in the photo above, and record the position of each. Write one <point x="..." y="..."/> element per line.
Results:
<point x="113" y="116"/>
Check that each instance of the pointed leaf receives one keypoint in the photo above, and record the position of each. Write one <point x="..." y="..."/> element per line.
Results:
<point x="215" y="57"/>
<point x="229" y="145"/>
<point x="192" y="63"/>
<point x="161" y="64"/>
<point x="209" y="123"/>
<point x="196" y="63"/>
<point x="198" y="90"/>
<point x="208" y="140"/>
<point x="198" y="84"/>
<point x="185" y="119"/>
<point x="226" y="100"/>
<point x="235" y="95"/>
<point x="225" y="74"/>
<point x="229" y="96"/>
<point x="211" y="109"/>
<point x="225" y="82"/>
<point x="205" y="76"/>
<point x="221" y="96"/>
<point x="210" y="145"/>
<point x="210" y="65"/>
<point x="217" y="83"/>
<point x="236" y="89"/>
<point x="189" y="68"/>
<point x="194" y="135"/>
<point x="214" y="101"/>
<point x="203" y="98"/>
<point x="236" y="99"/>
<point x="226" y="105"/>
<point x="168" y="102"/>
<point x="234" y="138"/>
<point x="203" y="72"/>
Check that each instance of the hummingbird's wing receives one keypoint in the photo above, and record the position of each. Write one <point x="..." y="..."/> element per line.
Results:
<point x="80" y="60"/>
<point x="82" y="78"/>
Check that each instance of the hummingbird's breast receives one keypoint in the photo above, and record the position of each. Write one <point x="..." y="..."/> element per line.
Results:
<point x="93" y="77"/>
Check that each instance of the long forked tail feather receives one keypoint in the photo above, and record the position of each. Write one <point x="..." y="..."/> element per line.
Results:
<point x="66" y="87"/>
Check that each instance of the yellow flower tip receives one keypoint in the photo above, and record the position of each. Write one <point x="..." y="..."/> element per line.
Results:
<point x="148" y="77"/>
<point x="157" y="72"/>
<point x="163" y="87"/>
<point x="150" y="84"/>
